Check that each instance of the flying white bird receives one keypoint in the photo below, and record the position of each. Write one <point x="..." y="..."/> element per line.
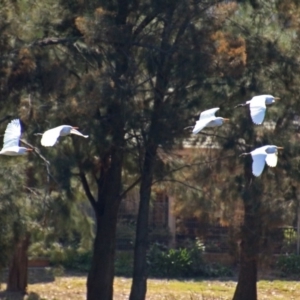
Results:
<point x="208" y="119"/>
<point x="260" y="156"/>
<point x="50" y="136"/>
<point x="258" y="107"/>
<point x="11" y="140"/>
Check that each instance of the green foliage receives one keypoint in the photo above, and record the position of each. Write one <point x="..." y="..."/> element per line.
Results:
<point x="79" y="260"/>
<point x="66" y="256"/>
<point x="288" y="240"/>
<point x="289" y="265"/>
<point x="182" y="263"/>
<point x="162" y="262"/>
<point x="14" y="208"/>
<point x="124" y="263"/>
<point x="125" y="235"/>
<point x="169" y="263"/>
<point x="159" y="235"/>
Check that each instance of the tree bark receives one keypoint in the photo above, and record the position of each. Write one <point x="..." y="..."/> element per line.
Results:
<point x="139" y="281"/>
<point x="17" y="275"/>
<point x="246" y="288"/>
<point x="101" y="274"/>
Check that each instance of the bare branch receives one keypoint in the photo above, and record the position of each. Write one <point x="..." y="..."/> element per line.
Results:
<point x="180" y="182"/>
<point x="143" y="24"/>
<point x="193" y="165"/>
<point x="224" y="138"/>
<point x="130" y="187"/>
<point x="181" y="31"/>
<point x="36" y="150"/>
<point x="4" y="119"/>
<point x="87" y="190"/>
<point x="54" y="41"/>
<point x="47" y="164"/>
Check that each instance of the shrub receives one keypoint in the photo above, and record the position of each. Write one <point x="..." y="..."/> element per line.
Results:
<point x="170" y="263"/>
<point x="125" y="235"/>
<point x="182" y="263"/>
<point x="79" y="260"/>
<point x="162" y="262"/>
<point x="217" y="270"/>
<point x="289" y="265"/>
<point x="124" y="263"/>
<point x="63" y="256"/>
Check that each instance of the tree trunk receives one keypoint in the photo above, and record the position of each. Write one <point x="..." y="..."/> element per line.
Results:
<point x="246" y="288"/>
<point x="139" y="281"/>
<point x="17" y="275"/>
<point x="101" y="275"/>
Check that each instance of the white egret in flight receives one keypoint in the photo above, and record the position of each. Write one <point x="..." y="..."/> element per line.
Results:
<point x="50" y="136"/>
<point x="258" y="107"/>
<point x="208" y="119"/>
<point x="260" y="156"/>
<point x="11" y="140"/>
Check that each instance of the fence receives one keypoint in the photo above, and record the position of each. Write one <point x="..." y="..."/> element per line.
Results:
<point x="214" y="239"/>
<point x="172" y="231"/>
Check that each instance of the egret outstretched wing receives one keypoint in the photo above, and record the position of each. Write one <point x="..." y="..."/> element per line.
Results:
<point x="208" y="113"/>
<point x="12" y="134"/>
<point x="205" y="117"/>
<point x="257" y="110"/>
<point x="272" y="159"/>
<point x="50" y="137"/>
<point x="200" y="125"/>
<point x="76" y="132"/>
<point x="258" y="164"/>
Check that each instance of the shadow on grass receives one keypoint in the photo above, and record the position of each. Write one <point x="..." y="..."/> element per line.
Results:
<point x="19" y="296"/>
<point x="35" y="275"/>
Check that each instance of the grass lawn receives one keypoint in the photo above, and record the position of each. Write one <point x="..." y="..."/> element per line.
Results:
<point x="73" y="288"/>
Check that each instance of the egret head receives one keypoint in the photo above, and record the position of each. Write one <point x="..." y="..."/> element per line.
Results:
<point x="271" y="99"/>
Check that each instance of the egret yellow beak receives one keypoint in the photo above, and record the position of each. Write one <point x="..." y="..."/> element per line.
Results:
<point x="75" y="127"/>
<point x="276" y="98"/>
<point x="29" y="150"/>
<point x="280" y="148"/>
<point x="225" y="119"/>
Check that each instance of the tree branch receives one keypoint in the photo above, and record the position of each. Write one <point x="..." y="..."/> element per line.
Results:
<point x="181" y="31"/>
<point x="87" y="190"/>
<point x="193" y="165"/>
<point x="36" y="151"/>
<point x="143" y="24"/>
<point x="130" y="187"/>
<point x="4" y="119"/>
<point x="54" y="41"/>
<point x="224" y="138"/>
<point x="180" y="182"/>
<point x="47" y="164"/>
